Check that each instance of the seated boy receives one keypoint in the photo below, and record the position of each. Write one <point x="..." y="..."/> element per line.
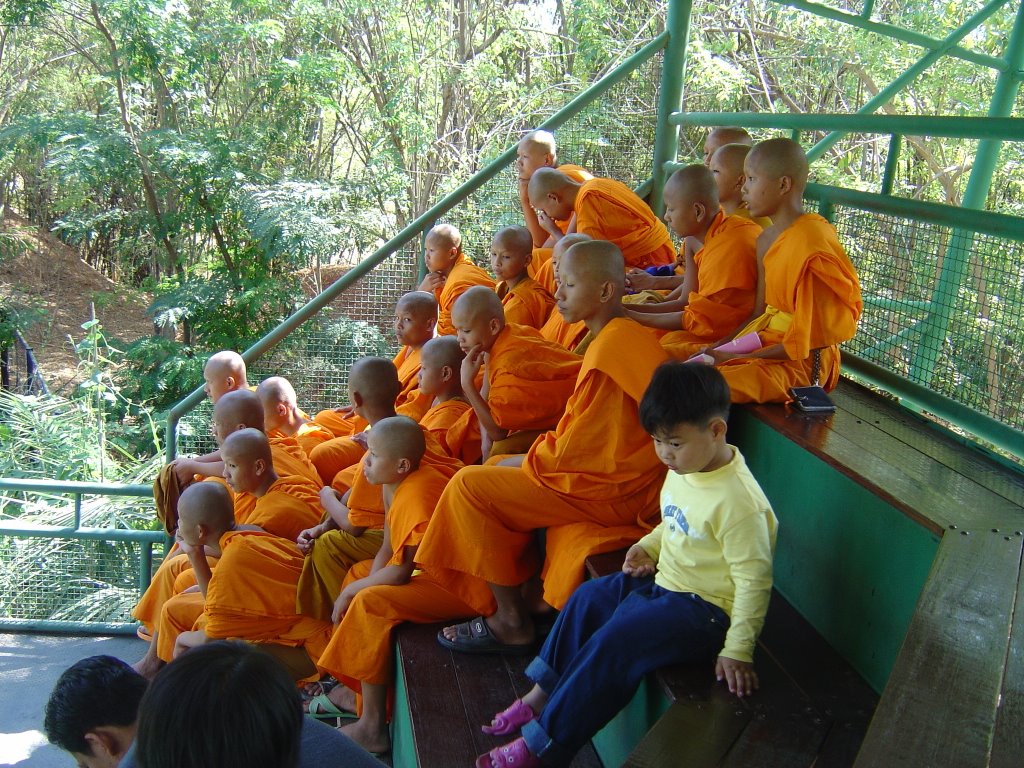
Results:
<point x="605" y="209"/>
<point x="697" y="586"/>
<point x="536" y="150"/>
<point x="391" y="589"/>
<point x="556" y="329"/>
<point x="415" y="320"/>
<point x="811" y="290"/>
<point x="721" y="268"/>
<point x="440" y="378"/>
<point x="592" y="482"/>
<point x="527" y="380"/>
<point x="282" y="415"/>
<point x="449" y="273"/>
<point x="526" y="302"/>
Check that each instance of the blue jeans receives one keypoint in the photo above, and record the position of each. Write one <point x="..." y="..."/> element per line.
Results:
<point x="611" y="633"/>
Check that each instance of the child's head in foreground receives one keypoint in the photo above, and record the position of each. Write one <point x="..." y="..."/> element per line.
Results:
<point x="685" y="409"/>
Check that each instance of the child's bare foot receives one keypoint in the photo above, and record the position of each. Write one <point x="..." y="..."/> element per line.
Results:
<point x="374" y="738"/>
<point x="148" y="666"/>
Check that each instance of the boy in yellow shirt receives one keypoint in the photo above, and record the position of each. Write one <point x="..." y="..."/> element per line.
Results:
<point x="697" y="585"/>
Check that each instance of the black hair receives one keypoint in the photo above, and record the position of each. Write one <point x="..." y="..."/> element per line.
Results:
<point x="683" y="393"/>
<point x="224" y="704"/>
<point x="94" y="692"/>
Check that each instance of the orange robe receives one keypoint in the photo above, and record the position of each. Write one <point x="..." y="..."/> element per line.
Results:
<point x="744" y="212"/>
<point x="566" y="335"/>
<point x="439" y="419"/>
<point x="290" y="505"/>
<point x="528" y="303"/>
<point x="593" y="482"/>
<point x="251" y="596"/>
<point x="360" y="649"/>
<point x="813" y="302"/>
<point x="542" y="255"/>
<point x="609" y="210"/>
<point x="463" y="276"/>
<point x="308" y="435"/>
<point x="727" y="283"/>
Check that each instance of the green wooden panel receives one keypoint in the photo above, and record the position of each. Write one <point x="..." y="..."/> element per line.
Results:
<point x="615" y="741"/>
<point x="851" y="564"/>
<point x="403" y="748"/>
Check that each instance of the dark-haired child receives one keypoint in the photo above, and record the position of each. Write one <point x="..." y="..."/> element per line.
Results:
<point x="697" y="585"/>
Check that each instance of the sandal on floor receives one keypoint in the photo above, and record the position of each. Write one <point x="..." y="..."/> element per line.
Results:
<point x="318" y="687"/>
<point x="515" y="754"/>
<point x="475" y="636"/>
<point x="321" y="706"/>
<point x="511" y="720"/>
<point x="144" y="634"/>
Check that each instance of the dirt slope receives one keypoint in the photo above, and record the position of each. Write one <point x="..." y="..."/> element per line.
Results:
<point x="50" y="277"/>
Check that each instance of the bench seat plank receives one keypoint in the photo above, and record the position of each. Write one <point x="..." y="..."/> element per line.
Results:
<point x="939" y="705"/>
<point x="1008" y="745"/>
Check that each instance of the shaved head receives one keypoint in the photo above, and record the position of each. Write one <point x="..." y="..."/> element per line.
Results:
<point x="776" y="158"/>
<point x="237" y="410"/>
<point x="399" y="437"/>
<point x="224" y="372"/>
<point x="693" y="184"/>
<point x="446" y="234"/>
<point x="516" y="239"/>
<point x="568" y="242"/>
<point x="375" y="379"/>
<point x="443" y="351"/>
<point x="276" y="389"/>
<point x="206" y="504"/>
<point x="478" y="303"/>
<point x="719" y="137"/>
<point x="597" y="261"/>
<point x="546" y="181"/>
<point x="246" y="446"/>
<point x="731" y="157"/>
<point x="419" y="303"/>
<point x="540" y="140"/>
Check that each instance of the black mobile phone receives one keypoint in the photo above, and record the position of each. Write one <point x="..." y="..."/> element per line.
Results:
<point x="811" y="400"/>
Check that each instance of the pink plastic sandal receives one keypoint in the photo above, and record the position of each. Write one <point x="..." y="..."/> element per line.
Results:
<point x="511" y="720"/>
<point x="515" y="754"/>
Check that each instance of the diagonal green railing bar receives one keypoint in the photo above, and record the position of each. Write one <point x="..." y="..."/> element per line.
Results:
<point x="883" y="97"/>
<point x="425" y="220"/>
<point x="891" y="31"/>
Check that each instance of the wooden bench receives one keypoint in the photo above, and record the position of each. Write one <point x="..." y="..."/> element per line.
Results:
<point x="954" y="694"/>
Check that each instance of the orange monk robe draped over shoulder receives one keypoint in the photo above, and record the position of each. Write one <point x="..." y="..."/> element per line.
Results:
<point x="528" y="303"/>
<point x="596" y="474"/>
<point x="440" y="418"/>
<point x="360" y="649"/>
<point x="609" y="210"/>
<point x="463" y="276"/>
<point x="813" y="301"/>
<point x="566" y="335"/>
<point x="542" y="255"/>
<point x="291" y="459"/>
<point x="308" y="435"/>
<point x="545" y="278"/>
<point x="251" y="596"/>
<point x="727" y="283"/>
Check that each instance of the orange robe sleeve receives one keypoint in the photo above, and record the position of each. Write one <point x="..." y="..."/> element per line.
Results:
<point x="526" y="304"/>
<point x="531" y="379"/>
<point x="609" y="210"/>
<point x="291" y="459"/>
<point x="311" y="434"/>
<point x="463" y="439"/>
<point x="440" y="419"/>
<point x="813" y="302"/>
<point x="410" y="402"/>
<point x="599" y="443"/>
<point x="289" y="506"/>
<point x="463" y="276"/>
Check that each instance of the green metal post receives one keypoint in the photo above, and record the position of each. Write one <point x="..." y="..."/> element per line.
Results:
<point x="670" y="96"/>
<point x="891" y="161"/>
<point x="868" y="9"/>
<point x="883" y="96"/>
<point x="957" y="258"/>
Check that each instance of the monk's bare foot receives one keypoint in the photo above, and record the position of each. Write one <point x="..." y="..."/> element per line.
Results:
<point x="148" y="666"/>
<point x="511" y="630"/>
<point x="371" y="737"/>
<point x="341" y="696"/>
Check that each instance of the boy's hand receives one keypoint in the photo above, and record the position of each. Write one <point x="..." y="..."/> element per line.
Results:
<point x="328" y="494"/>
<point x="360" y="439"/>
<point x="342" y="603"/>
<point x="639" y="280"/>
<point x="306" y="538"/>
<point x="432" y="282"/>
<point x="738" y="675"/>
<point x="549" y="225"/>
<point x="638" y="563"/>
<point x="471" y="365"/>
<point x="184" y="470"/>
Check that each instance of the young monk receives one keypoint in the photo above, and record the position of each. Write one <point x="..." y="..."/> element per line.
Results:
<point x="391" y="589"/>
<point x="449" y="273"/>
<point x="527" y="380"/>
<point x="224" y="372"/>
<point x="592" y="483"/>
<point x="415" y="321"/>
<point x="251" y="593"/>
<point x="283" y="417"/>
<point x="811" y="293"/>
<point x="727" y="168"/>
<point x="605" y="209"/>
<point x="721" y="267"/>
<point x="556" y="329"/>
<point x="719" y="137"/>
<point x="525" y="301"/>
<point x="697" y="585"/>
<point x="440" y="377"/>
<point x="536" y="150"/>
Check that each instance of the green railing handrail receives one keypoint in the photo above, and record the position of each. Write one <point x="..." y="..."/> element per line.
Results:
<point x="999" y="128"/>
<point x="422" y="222"/>
<point x="74" y="486"/>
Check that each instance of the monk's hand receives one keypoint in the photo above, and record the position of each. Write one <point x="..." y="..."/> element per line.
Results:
<point x="185" y="471"/>
<point x="639" y="280"/>
<point x="183" y="546"/>
<point x="432" y="282"/>
<point x="638" y="563"/>
<point x="345" y="409"/>
<point x="720" y="356"/>
<point x="738" y="675"/>
<point x="305" y="539"/>
<point x="360" y="439"/>
<point x="471" y="365"/>
<point x="342" y="603"/>
<point x="550" y="226"/>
